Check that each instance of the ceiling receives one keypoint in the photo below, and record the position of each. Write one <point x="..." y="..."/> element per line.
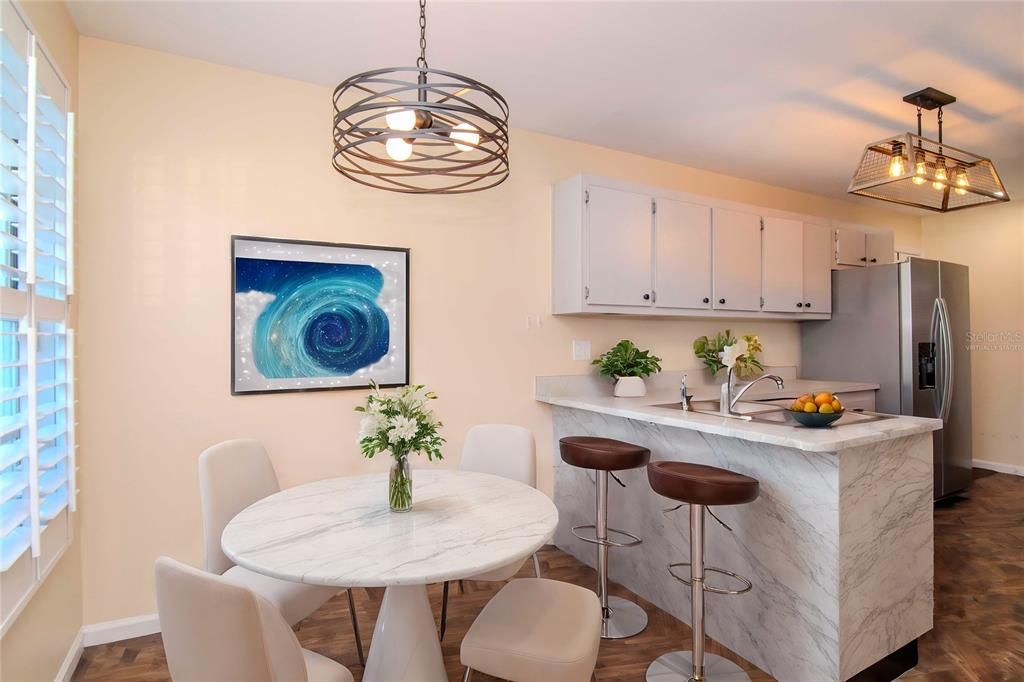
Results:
<point x="784" y="93"/>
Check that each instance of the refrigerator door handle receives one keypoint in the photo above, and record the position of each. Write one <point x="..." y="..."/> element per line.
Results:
<point x="948" y="373"/>
<point x="940" y="365"/>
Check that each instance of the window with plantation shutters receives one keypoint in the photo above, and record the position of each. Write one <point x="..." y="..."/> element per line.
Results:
<point x="37" y="426"/>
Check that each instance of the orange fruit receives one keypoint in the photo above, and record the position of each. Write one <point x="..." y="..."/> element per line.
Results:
<point x="810" y="407"/>
<point x="822" y="398"/>
<point x="806" y="398"/>
<point x="797" y="406"/>
<point x="836" y="405"/>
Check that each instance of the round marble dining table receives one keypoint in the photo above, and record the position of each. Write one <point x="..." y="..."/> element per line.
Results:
<point x="340" y="532"/>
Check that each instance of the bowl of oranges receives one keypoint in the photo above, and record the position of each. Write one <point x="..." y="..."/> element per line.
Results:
<point x="816" y="410"/>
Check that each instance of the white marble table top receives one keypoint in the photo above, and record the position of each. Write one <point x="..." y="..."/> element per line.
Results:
<point x="340" y="532"/>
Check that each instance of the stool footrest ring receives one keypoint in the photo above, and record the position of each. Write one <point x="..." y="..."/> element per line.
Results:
<point x="709" y="588"/>
<point x="633" y="539"/>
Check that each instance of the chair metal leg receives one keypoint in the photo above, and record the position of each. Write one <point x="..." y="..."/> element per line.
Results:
<point x="355" y="627"/>
<point x="536" y="565"/>
<point x="468" y="675"/>
<point x="444" y="609"/>
<point x="697" y="588"/>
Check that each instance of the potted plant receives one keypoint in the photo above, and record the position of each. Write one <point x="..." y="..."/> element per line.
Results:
<point x="400" y="424"/>
<point x="709" y="351"/>
<point x="628" y="365"/>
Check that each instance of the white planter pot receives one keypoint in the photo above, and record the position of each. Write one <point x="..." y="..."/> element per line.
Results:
<point x="630" y="387"/>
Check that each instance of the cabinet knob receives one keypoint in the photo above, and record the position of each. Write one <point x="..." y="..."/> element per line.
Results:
<point x="707" y="300"/>
<point x="799" y="305"/>
<point x="864" y="259"/>
<point x="874" y="260"/>
<point x="807" y="305"/>
<point x="721" y="301"/>
<point x="647" y="297"/>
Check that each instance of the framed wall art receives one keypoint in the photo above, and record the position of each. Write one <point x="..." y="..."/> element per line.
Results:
<point x="311" y="316"/>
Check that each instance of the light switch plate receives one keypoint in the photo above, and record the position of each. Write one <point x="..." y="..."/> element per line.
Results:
<point x="581" y="350"/>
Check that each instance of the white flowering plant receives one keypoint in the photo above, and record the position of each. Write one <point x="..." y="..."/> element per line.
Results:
<point x="400" y="423"/>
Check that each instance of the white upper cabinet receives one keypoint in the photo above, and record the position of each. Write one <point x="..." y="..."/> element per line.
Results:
<point x="850" y="247"/>
<point x="628" y="249"/>
<point x="782" y="244"/>
<point x="682" y="255"/>
<point x="879" y="248"/>
<point x="619" y="233"/>
<point x="736" y="260"/>
<point x="817" y="269"/>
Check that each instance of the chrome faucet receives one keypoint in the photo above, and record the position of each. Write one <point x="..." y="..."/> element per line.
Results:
<point x="683" y="400"/>
<point x="727" y="401"/>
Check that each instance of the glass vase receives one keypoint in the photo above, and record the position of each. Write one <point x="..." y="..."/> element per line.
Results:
<point x="400" y="485"/>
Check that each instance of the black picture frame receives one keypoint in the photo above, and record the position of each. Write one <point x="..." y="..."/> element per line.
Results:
<point x="233" y="353"/>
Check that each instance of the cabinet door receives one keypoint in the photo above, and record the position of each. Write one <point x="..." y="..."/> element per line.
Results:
<point x="879" y="248"/>
<point x="619" y="247"/>
<point x="817" y="269"/>
<point x="850" y="247"/>
<point x="736" y="260"/>
<point x="782" y="264"/>
<point x="682" y="255"/>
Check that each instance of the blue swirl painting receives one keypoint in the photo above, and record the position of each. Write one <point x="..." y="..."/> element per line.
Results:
<point x="302" y="324"/>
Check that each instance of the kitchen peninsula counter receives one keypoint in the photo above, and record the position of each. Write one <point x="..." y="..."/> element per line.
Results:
<point x="839" y="544"/>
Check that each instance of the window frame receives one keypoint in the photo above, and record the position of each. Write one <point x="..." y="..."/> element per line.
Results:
<point x="31" y="311"/>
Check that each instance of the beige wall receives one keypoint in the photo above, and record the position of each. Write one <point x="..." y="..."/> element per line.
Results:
<point x="35" y="646"/>
<point x="990" y="241"/>
<point x="177" y="155"/>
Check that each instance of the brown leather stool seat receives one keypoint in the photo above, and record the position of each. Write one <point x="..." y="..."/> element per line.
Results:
<point x="603" y="454"/>
<point x="701" y="484"/>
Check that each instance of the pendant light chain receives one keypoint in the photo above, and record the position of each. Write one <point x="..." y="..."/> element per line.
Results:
<point x="422" y="61"/>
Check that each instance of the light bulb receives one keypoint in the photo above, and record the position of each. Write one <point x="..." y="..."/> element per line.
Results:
<point x="896" y="167"/>
<point x="469" y="136"/>
<point x="960" y="176"/>
<point x="400" y="119"/>
<point x="939" y="186"/>
<point x="398" y="149"/>
<point x="920" y="167"/>
<point x="918" y="180"/>
<point x="940" y="169"/>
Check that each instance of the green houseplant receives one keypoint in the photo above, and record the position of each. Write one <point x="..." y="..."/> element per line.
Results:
<point x="400" y="424"/>
<point x="709" y="350"/>
<point x="628" y="365"/>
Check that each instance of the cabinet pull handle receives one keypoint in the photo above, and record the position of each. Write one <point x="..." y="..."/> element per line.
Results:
<point x="647" y="297"/>
<point x="707" y="300"/>
<point x="799" y="305"/>
<point x="721" y="301"/>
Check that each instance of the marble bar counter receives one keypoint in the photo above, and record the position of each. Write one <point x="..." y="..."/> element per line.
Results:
<point x="839" y="545"/>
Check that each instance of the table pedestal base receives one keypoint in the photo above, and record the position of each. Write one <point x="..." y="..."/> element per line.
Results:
<point x="405" y="644"/>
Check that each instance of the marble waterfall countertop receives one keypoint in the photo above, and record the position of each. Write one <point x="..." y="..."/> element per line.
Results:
<point x="838" y="545"/>
<point x="594" y="394"/>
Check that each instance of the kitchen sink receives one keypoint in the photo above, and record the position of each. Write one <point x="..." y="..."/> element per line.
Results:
<point x="772" y="413"/>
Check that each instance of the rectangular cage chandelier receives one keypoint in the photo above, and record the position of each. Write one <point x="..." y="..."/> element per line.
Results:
<point x="915" y="171"/>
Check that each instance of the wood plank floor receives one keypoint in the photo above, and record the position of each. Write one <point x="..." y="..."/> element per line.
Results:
<point x="979" y="614"/>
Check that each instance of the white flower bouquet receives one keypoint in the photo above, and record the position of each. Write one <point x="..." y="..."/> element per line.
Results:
<point x="400" y="424"/>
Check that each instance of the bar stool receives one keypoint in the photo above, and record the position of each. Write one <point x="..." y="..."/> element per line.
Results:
<point x="699" y="486"/>
<point x="620" y="618"/>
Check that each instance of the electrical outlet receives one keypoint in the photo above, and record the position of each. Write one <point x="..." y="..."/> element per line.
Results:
<point x="581" y="350"/>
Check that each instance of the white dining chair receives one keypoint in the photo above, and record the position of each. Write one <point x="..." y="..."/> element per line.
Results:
<point x="535" y="629"/>
<point x="215" y="630"/>
<point x="233" y="475"/>
<point x="503" y="450"/>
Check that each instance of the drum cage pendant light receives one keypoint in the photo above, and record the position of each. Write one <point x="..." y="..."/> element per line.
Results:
<point x="420" y="130"/>
<point x="916" y="171"/>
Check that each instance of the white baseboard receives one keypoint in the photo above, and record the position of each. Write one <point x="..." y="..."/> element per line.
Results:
<point x="116" y="630"/>
<point x="1000" y="467"/>
<point x="67" y="668"/>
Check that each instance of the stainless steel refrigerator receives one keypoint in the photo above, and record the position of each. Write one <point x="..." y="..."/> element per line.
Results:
<point x="905" y="327"/>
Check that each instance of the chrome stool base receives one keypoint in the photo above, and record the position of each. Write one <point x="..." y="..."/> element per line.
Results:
<point x="677" y="666"/>
<point x="624" y="619"/>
